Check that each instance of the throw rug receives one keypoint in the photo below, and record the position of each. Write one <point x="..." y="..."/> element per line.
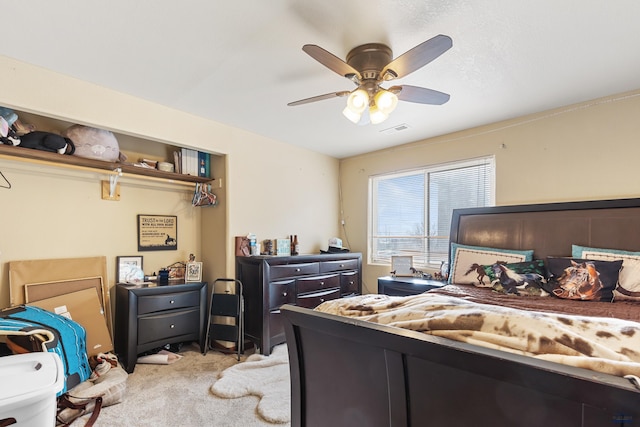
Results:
<point x="266" y="377"/>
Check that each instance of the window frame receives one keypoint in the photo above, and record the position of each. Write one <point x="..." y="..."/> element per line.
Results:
<point x="428" y="169"/>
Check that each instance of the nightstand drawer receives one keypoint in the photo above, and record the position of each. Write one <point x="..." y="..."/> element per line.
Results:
<point x="281" y="293"/>
<point x="315" y="299"/>
<point x="153" y="303"/>
<point x="168" y="325"/>
<point x="346" y="264"/>
<point x="280" y="271"/>
<point x="404" y="286"/>
<point x="317" y="283"/>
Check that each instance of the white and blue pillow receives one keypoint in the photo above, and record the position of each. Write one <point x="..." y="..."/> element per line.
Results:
<point x="465" y="258"/>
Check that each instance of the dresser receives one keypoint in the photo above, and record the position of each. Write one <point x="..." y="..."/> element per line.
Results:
<point x="304" y="280"/>
<point x="151" y="316"/>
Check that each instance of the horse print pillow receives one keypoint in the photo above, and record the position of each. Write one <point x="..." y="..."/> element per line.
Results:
<point x="520" y="278"/>
<point x="467" y="262"/>
<point x="582" y="279"/>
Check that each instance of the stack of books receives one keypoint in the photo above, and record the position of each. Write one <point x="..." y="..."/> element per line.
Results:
<point x="192" y="162"/>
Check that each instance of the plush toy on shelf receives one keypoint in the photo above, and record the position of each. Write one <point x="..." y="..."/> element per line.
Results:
<point x="47" y="141"/>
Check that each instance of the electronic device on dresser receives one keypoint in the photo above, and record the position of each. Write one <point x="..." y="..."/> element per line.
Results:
<point x="304" y="280"/>
<point x="151" y="316"/>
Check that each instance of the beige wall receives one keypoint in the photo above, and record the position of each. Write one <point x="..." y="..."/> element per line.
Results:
<point x="581" y="152"/>
<point x="269" y="188"/>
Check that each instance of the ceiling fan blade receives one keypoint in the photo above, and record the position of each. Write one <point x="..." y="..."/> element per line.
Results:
<point x="330" y="61"/>
<point x="417" y="57"/>
<point x="419" y="95"/>
<point x="319" y="98"/>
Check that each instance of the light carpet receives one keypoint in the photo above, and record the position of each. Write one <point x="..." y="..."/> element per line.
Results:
<point x="179" y="395"/>
<point x="266" y="377"/>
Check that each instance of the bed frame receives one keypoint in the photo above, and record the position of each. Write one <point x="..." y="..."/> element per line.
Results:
<point x="346" y="372"/>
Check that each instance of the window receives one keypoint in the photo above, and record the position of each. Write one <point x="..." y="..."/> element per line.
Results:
<point x="411" y="211"/>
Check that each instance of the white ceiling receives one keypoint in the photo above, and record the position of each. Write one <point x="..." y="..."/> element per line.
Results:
<point x="240" y="62"/>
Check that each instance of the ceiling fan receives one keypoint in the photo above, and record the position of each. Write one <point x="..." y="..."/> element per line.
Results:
<point x="369" y="66"/>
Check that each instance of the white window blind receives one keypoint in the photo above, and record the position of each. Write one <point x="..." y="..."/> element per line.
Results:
<point x="411" y="211"/>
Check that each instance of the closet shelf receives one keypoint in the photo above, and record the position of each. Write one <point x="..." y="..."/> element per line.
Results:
<point x="75" y="162"/>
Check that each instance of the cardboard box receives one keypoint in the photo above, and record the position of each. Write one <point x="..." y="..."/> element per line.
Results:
<point x="85" y="308"/>
<point x="38" y="291"/>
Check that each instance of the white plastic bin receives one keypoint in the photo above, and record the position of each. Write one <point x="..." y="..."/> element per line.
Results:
<point x="30" y="383"/>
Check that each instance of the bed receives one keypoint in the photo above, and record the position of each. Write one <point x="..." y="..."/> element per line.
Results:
<point x="350" y="371"/>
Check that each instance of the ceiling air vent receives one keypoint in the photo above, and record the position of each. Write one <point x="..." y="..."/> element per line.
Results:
<point x="395" y="129"/>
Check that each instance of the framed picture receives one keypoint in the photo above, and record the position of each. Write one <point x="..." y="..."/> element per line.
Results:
<point x="402" y="265"/>
<point x="283" y="247"/>
<point x="129" y="269"/>
<point x="157" y="232"/>
<point x="194" y="272"/>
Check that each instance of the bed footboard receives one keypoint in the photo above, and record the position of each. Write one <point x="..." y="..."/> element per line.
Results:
<point x="346" y="372"/>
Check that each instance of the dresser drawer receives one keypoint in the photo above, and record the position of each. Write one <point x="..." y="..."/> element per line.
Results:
<point x="168" y="325"/>
<point x="292" y="270"/>
<point x="312" y="284"/>
<point x="153" y="303"/>
<point x="349" y="282"/>
<point x="345" y="264"/>
<point x="282" y="293"/>
<point x="315" y="299"/>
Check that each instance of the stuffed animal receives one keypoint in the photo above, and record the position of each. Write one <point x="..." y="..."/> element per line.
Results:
<point x="93" y="143"/>
<point x="47" y="141"/>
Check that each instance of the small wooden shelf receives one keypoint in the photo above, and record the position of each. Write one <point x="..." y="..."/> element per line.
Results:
<point x="74" y="162"/>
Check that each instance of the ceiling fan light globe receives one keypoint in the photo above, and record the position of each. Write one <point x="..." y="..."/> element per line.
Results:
<point x="351" y="115"/>
<point x="358" y="100"/>
<point x="377" y="115"/>
<point x="386" y="101"/>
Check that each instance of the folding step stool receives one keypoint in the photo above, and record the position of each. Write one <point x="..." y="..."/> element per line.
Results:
<point x="229" y="306"/>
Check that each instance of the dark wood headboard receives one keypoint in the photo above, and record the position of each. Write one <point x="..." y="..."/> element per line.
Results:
<point x="551" y="228"/>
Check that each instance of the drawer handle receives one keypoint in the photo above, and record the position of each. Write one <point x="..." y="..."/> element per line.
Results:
<point x="297" y="270"/>
<point x="171" y="302"/>
<point x="321" y="283"/>
<point x="341" y="265"/>
<point x="284" y="294"/>
<point x="321" y="299"/>
<point x="172" y="326"/>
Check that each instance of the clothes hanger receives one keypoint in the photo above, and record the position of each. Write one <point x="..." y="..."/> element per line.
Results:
<point x="8" y="185"/>
<point x="203" y="196"/>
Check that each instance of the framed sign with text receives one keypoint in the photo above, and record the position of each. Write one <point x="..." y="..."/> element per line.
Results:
<point x="157" y="232"/>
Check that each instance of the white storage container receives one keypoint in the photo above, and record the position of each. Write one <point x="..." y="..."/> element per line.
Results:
<point x="30" y="383"/>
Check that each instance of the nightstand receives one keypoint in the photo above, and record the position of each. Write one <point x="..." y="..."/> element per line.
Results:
<point x="402" y="286"/>
<point x="151" y="316"/>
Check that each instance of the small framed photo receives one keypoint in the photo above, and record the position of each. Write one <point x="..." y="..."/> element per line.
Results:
<point x="283" y="247"/>
<point x="194" y="272"/>
<point x="402" y="265"/>
<point x="129" y="269"/>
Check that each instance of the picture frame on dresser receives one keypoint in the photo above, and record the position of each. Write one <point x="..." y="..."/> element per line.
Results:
<point x="402" y="265"/>
<point x="193" y="272"/>
<point x="129" y="269"/>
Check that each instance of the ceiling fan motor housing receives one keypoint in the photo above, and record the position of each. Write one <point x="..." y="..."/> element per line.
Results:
<point x="369" y="59"/>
